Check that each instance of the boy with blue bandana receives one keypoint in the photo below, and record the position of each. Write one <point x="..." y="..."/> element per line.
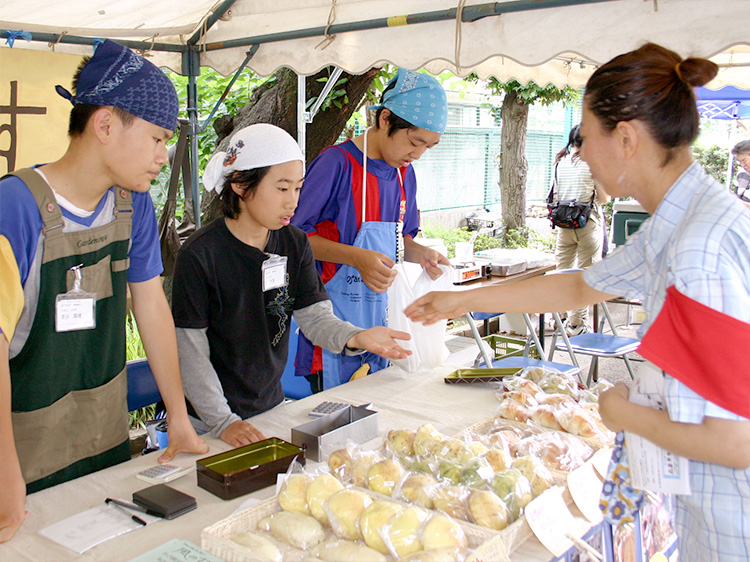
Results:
<point x="356" y="227"/>
<point x="74" y="236"/>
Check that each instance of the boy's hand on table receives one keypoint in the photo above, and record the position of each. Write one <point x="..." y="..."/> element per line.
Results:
<point x="241" y="433"/>
<point x="182" y="439"/>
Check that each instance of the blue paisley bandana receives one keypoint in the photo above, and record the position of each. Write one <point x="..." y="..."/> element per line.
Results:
<point x="418" y="99"/>
<point x="116" y="76"/>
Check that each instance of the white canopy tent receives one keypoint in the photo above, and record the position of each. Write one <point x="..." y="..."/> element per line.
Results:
<point x="548" y="41"/>
<point x="556" y="42"/>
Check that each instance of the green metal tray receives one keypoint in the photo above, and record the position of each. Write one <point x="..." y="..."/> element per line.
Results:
<point x="463" y="376"/>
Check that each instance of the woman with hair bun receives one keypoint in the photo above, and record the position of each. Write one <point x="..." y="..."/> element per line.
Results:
<point x="689" y="264"/>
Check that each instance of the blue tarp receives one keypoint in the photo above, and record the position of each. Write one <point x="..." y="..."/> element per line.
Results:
<point x="725" y="103"/>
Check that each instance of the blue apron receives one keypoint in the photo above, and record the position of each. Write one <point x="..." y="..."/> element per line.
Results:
<point x="354" y="301"/>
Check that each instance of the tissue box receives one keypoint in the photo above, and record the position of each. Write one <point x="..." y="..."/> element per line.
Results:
<point x="246" y="469"/>
<point x="349" y="424"/>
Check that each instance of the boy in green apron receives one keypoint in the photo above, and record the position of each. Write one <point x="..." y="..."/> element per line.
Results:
<point x="74" y="236"/>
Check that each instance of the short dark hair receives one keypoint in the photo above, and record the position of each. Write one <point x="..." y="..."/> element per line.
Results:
<point x="248" y="180"/>
<point x="394" y="121"/>
<point x="81" y="113"/>
<point x="742" y="147"/>
<point x="654" y="85"/>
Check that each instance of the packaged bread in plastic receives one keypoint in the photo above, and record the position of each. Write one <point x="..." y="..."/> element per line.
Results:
<point x="514" y="489"/>
<point x="384" y="475"/>
<point x="256" y="545"/>
<point x="373" y="518"/>
<point x="295" y="529"/>
<point x="343" y="510"/>
<point x="415" y="488"/>
<point x="318" y="491"/>
<point x="401" y="534"/>
<point x="440" y="531"/>
<point x="346" y="551"/>
<point x="488" y="510"/>
<point x="452" y="500"/>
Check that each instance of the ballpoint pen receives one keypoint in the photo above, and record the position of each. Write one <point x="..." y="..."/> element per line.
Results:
<point x="118" y="506"/>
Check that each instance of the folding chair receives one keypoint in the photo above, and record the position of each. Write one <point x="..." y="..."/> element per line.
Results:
<point x="598" y="345"/>
<point x="142" y="388"/>
<point x="525" y="360"/>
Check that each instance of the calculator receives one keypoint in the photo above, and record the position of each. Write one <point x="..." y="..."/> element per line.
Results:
<point x="162" y="473"/>
<point x="325" y="408"/>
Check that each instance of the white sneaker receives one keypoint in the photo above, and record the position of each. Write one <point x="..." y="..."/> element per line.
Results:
<point x="573" y="330"/>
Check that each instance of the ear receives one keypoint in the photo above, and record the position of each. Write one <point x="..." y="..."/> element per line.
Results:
<point x="383" y="121"/>
<point x="627" y="136"/>
<point x="238" y="189"/>
<point x="101" y="123"/>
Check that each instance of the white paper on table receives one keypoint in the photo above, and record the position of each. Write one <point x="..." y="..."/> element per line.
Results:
<point x="601" y="460"/>
<point x="552" y="521"/>
<point x="585" y="487"/>
<point x="651" y="467"/>
<point x="85" y="530"/>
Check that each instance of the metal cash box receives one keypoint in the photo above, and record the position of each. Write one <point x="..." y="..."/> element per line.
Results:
<point x="246" y="469"/>
<point x="348" y="424"/>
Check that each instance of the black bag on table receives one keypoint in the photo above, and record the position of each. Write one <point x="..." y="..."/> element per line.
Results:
<point x="569" y="213"/>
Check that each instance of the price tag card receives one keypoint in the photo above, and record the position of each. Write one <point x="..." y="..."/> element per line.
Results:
<point x="552" y="521"/>
<point x="585" y="487"/>
<point x="600" y="461"/>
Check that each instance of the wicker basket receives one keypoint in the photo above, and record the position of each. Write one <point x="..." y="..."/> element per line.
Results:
<point x="488" y="545"/>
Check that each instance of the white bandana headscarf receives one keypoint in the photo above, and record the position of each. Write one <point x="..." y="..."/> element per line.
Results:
<point x="256" y="146"/>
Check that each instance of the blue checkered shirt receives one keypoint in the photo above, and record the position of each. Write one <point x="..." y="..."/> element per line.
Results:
<point x="699" y="241"/>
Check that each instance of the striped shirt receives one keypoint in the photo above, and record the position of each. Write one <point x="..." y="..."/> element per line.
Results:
<point x="699" y="241"/>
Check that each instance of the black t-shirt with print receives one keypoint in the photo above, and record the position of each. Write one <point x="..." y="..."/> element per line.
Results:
<point x="217" y="285"/>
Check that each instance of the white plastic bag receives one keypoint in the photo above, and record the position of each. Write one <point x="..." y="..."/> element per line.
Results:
<point x="428" y="342"/>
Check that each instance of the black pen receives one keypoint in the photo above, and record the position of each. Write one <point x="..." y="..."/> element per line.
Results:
<point x="117" y="506"/>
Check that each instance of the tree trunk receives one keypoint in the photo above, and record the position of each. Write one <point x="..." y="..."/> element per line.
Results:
<point x="513" y="165"/>
<point x="276" y="102"/>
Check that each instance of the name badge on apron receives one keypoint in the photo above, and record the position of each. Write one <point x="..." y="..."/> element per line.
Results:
<point x="76" y="309"/>
<point x="273" y="272"/>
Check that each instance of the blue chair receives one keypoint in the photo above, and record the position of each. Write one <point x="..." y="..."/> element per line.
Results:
<point x="142" y="388"/>
<point x="524" y="361"/>
<point x="294" y="387"/>
<point x="599" y="345"/>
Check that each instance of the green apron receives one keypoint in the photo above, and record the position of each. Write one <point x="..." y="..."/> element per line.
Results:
<point x="69" y="389"/>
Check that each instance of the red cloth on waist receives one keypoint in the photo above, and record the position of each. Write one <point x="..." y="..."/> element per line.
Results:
<point x="704" y="349"/>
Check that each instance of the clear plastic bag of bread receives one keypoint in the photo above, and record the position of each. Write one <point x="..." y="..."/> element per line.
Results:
<point x="584" y="422"/>
<point x="506" y="437"/>
<point x="401" y="534"/>
<point x="384" y="475"/>
<point x="556" y="450"/>
<point x="546" y="416"/>
<point x="343" y="510"/>
<point x="559" y="383"/>
<point x="258" y="544"/>
<point x="514" y="489"/>
<point x="294" y="529"/>
<point x="488" y="509"/>
<point x="451" y="499"/>
<point x="342" y="550"/>
<point x="521" y="384"/>
<point x="534" y="374"/>
<point x="455" y="449"/>
<point x="514" y="411"/>
<point x="361" y="462"/>
<point x="293" y="490"/>
<point x="415" y="488"/>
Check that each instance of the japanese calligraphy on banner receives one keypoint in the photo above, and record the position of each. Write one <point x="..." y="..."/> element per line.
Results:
<point x="33" y="118"/>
